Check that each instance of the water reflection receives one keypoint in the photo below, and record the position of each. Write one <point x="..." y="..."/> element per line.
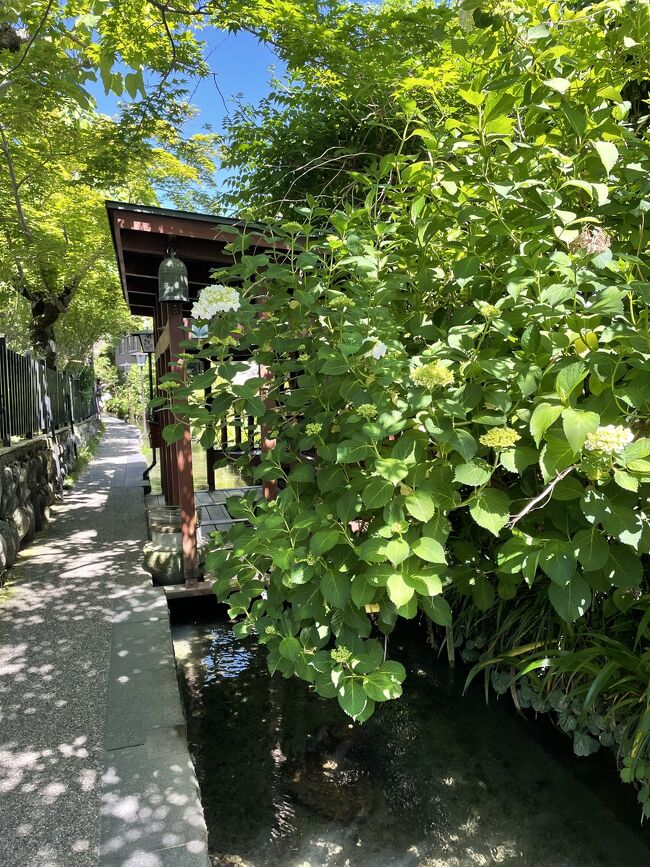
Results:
<point x="226" y="657"/>
<point x="434" y="780"/>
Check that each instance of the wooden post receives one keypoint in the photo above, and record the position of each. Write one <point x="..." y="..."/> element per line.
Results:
<point x="159" y="414"/>
<point x="181" y="479"/>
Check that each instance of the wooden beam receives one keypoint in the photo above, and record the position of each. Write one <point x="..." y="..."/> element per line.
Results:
<point x="178" y="226"/>
<point x="185" y="227"/>
<point x="155" y="247"/>
<point x="131" y="272"/>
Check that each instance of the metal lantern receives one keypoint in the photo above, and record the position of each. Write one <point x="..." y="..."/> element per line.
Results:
<point x="147" y="343"/>
<point x="172" y="280"/>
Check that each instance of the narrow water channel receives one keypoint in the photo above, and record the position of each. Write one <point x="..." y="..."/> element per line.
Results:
<point x="436" y="778"/>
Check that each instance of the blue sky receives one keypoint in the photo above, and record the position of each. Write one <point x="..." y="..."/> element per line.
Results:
<point x="241" y="65"/>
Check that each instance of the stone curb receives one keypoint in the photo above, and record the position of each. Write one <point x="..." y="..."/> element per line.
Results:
<point x="151" y="813"/>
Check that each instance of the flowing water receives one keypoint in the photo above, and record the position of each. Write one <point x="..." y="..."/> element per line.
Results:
<point x="435" y="778"/>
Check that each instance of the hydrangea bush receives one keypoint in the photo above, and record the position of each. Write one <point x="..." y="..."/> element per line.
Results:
<point x="460" y="367"/>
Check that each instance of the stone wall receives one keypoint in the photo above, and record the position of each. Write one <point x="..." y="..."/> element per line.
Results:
<point x="31" y="475"/>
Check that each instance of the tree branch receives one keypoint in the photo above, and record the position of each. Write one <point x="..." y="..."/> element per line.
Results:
<point x="538" y="501"/>
<point x="15" y="186"/>
<point x="30" y="42"/>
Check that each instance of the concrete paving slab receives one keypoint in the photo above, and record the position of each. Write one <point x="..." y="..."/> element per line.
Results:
<point x="179" y="856"/>
<point x="151" y="799"/>
<point x="139" y="605"/>
<point x="140" y="647"/>
<point x="138" y="702"/>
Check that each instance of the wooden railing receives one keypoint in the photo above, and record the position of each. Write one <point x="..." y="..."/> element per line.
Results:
<point x="35" y="399"/>
<point x="238" y="435"/>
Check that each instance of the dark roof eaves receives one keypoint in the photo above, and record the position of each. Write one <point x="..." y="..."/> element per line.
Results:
<point x="235" y="222"/>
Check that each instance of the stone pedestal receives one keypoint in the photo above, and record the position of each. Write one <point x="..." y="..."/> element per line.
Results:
<point x="163" y="555"/>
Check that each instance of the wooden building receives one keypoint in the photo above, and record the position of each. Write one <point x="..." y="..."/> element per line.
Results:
<point x="143" y="237"/>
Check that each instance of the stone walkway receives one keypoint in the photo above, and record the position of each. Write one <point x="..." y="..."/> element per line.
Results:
<point x="94" y="767"/>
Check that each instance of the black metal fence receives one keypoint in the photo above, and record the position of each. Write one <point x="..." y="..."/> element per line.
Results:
<point x="34" y="399"/>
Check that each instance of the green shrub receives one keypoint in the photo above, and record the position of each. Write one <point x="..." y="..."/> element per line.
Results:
<point x="119" y="406"/>
<point x="460" y="369"/>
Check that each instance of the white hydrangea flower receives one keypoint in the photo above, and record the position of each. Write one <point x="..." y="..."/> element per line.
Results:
<point x="610" y="439"/>
<point x="379" y="350"/>
<point x="214" y="299"/>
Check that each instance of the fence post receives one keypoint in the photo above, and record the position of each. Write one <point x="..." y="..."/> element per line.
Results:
<point x="42" y="397"/>
<point x="70" y="402"/>
<point x="28" y="371"/>
<point x="5" y="430"/>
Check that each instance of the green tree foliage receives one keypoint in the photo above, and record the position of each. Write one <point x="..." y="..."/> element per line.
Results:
<point x="342" y="106"/>
<point x="126" y="394"/>
<point x="59" y="158"/>
<point x="460" y="366"/>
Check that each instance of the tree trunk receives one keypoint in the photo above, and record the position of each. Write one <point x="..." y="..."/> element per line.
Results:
<point x="45" y="314"/>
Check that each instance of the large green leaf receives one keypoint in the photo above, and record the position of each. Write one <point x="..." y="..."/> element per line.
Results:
<point x="636" y="450"/>
<point x="368" y="656"/>
<point x="429" y="549"/>
<point x="519" y="554"/>
<point x="556" y="456"/>
<point x="572" y="599"/>
<point x="516" y="460"/>
<point x="351" y="452"/>
<point x="386" y="682"/>
<point x="324" y="540"/>
<point x="373" y="551"/>
<point x="491" y="509"/>
<point x="335" y="587"/>
<point x="608" y="153"/>
<point x="377" y="493"/>
<point x="290" y="647"/>
<point x="424" y="581"/>
<point x="591" y="549"/>
<point x="474" y="473"/>
<point x="172" y="433"/>
<point x="437" y="609"/>
<point x="362" y="592"/>
<point x="544" y="415"/>
<point x="569" y="378"/>
<point x="330" y="479"/>
<point x="399" y="592"/>
<point x="558" y="560"/>
<point x="420" y="505"/>
<point x="577" y="424"/>
<point x="397" y="551"/>
<point x="352" y="697"/>
<point x="391" y="469"/>
<point x="302" y="473"/>
<point x="623" y="567"/>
